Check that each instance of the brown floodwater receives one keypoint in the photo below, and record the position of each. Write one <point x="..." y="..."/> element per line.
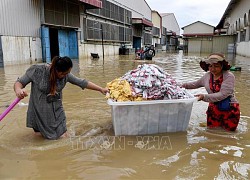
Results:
<point x="93" y="152"/>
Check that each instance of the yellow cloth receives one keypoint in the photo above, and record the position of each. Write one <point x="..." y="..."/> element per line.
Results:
<point x="120" y="90"/>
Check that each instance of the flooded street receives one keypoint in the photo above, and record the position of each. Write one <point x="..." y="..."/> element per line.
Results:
<point x="197" y="153"/>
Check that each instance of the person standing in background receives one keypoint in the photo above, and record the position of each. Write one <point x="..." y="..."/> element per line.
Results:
<point x="149" y="53"/>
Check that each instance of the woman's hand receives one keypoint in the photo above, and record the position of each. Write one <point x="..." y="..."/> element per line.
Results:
<point x="104" y="91"/>
<point x="21" y="93"/>
<point x="199" y="96"/>
<point x="95" y="87"/>
<point x="182" y="85"/>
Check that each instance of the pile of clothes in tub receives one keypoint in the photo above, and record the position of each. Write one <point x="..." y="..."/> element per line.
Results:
<point x="146" y="82"/>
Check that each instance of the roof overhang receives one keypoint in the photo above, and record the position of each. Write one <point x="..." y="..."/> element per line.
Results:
<point x="228" y="10"/>
<point x="92" y="4"/>
<point x="198" y="35"/>
<point x="142" y="21"/>
<point x="171" y="33"/>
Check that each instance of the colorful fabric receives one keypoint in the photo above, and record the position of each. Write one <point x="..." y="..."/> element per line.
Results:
<point x="146" y="82"/>
<point x="120" y="90"/>
<point x="151" y="82"/>
<point x="226" y="119"/>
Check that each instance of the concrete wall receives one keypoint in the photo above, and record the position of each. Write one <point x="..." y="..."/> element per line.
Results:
<point x="156" y="19"/>
<point x="156" y="40"/>
<point x="20" y="18"/>
<point x="239" y="11"/>
<point x="238" y="21"/>
<point x="194" y="46"/>
<point x="243" y="49"/>
<point x="221" y="43"/>
<point x="139" y="8"/>
<point x="169" y="21"/>
<point x="198" y="28"/>
<point x="87" y="48"/>
<point x="20" y="31"/>
<point x="20" y="50"/>
<point x="210" y="44"/>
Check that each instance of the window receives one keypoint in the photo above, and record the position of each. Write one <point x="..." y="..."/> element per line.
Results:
<point x="147" y="38"/>
<point x="156" y="32"/>
<point x="62" y="13"/>
<point x="114" y="12"/>
<point x="110" y="32"/>
<point x="117" y="25"/>
<point x="243" y="35"/>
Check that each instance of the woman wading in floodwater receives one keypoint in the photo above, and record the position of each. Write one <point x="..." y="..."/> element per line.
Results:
<point x="223" y="110"/>
<point x="45" y="111"/>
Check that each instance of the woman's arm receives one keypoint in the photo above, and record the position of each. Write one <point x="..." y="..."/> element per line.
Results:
<point x="195" y="84"/>
<point x="83" y="83"/>
<point x="20" y="92"/>
<point x="227" y="89"/>
<point x="95" y="87"/>
<point x="24" y="80"/>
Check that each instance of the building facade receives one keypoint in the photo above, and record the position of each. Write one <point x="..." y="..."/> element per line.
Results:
<point x="61" y="26"/>
<point x="20" y="40"/>
<point x="157" y="30"/>
<point x="198" y="28"/>
<point x="173" y="30"/>
<point x="74" y="28"/>
<point x="236" y="22"/>
<point x="200" y="38"/>
<point x="42" y="29"/>
<point x="105" y="29"/>
<point x="141" y="21"/>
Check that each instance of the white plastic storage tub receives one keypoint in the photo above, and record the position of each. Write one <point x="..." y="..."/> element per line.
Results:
<point x="150" y="117"/>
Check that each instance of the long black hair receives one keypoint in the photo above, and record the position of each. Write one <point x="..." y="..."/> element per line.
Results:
<point x="59" y="64"/>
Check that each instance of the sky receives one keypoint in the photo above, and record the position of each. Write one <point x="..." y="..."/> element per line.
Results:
<point x="189" y="11"/>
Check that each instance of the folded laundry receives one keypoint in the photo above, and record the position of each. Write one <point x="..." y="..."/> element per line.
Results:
<point x="146" y="82"/>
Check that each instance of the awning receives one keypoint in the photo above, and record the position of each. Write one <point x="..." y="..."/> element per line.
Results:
<point x="145" y="22"/>
<point x="92" y="4"/>
<point x="171" y="33"/>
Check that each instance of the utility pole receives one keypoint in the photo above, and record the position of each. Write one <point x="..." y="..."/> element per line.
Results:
<point x="102" y="45"/>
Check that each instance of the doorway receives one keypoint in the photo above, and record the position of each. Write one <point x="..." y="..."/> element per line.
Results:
<point x="136" y="43"/>
<point x="59" y="42"/>
<point x="53" y="37"/>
